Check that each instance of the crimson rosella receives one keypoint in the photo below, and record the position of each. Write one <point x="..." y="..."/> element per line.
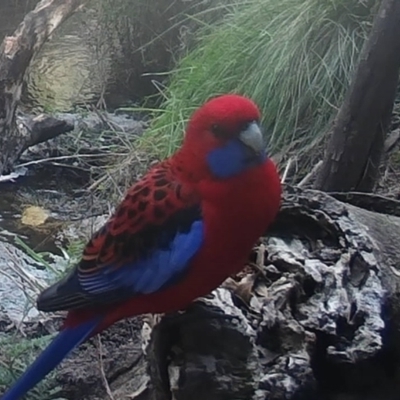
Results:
<point x="180" y="231"/>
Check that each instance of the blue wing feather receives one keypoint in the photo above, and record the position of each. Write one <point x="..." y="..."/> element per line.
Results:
<point x="164" y="263"/>
<point x="150" y="273"/>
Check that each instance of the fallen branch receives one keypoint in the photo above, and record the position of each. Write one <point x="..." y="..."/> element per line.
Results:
<point x="44" y="127"/>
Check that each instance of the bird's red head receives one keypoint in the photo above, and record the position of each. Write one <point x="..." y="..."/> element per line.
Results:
<point x="221" y="118"/>
<point x="223" y="137"/>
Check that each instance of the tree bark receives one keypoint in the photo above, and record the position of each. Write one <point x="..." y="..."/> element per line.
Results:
<point x="16" y="53"/>
<point x="356" y="143"/>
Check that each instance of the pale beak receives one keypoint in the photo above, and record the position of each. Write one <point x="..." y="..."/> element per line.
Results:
<point x="252" y="137"/>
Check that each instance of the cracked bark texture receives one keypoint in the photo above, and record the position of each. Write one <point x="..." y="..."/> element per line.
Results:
<point x="320" y="322"/>
<point x="16" y="53"/>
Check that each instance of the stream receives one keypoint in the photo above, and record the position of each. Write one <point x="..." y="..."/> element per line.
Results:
<point x="74" y="67"/>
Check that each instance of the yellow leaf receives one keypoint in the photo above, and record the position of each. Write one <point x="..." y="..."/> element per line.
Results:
<point x="34" y="216"/>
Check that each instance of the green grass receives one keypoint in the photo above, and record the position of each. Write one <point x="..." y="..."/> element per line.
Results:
<point x="295" y="58"/>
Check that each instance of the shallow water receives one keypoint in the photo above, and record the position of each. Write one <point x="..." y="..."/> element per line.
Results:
<point x="54" y="189"/>
<point x="74" y="67"/>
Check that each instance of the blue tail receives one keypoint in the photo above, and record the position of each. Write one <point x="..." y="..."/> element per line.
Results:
<point x="57" y="350"/>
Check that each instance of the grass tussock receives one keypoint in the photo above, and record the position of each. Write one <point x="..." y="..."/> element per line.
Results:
<point x="295" y="58"/>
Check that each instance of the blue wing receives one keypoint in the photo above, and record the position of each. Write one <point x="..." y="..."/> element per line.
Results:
<point x="149" y="273"/>
<point x="162" y="260"/>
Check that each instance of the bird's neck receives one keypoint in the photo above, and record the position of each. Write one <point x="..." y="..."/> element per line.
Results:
<point x="188" y="166"/>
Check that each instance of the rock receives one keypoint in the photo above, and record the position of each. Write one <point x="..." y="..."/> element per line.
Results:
<point x="21" y="280"/>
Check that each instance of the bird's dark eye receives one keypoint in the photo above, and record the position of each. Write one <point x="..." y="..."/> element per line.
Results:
<point x="222" y="133"/>
<point x="244" y="126"/>
<point x="218" y="131"/>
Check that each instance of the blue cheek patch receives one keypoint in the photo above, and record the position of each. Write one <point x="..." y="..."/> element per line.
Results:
<point x="231" y="159"/>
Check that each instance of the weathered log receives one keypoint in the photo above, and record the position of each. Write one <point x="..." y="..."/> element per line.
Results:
<point x="322" y="321"/>
<point x="16" y="53"/>
<point x="35" y="130"/>
<point x="41" y="128"/>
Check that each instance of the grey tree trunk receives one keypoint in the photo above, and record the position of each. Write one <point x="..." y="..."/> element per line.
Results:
<point x="356" y="143"/>
<point x="16" y="53"/>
